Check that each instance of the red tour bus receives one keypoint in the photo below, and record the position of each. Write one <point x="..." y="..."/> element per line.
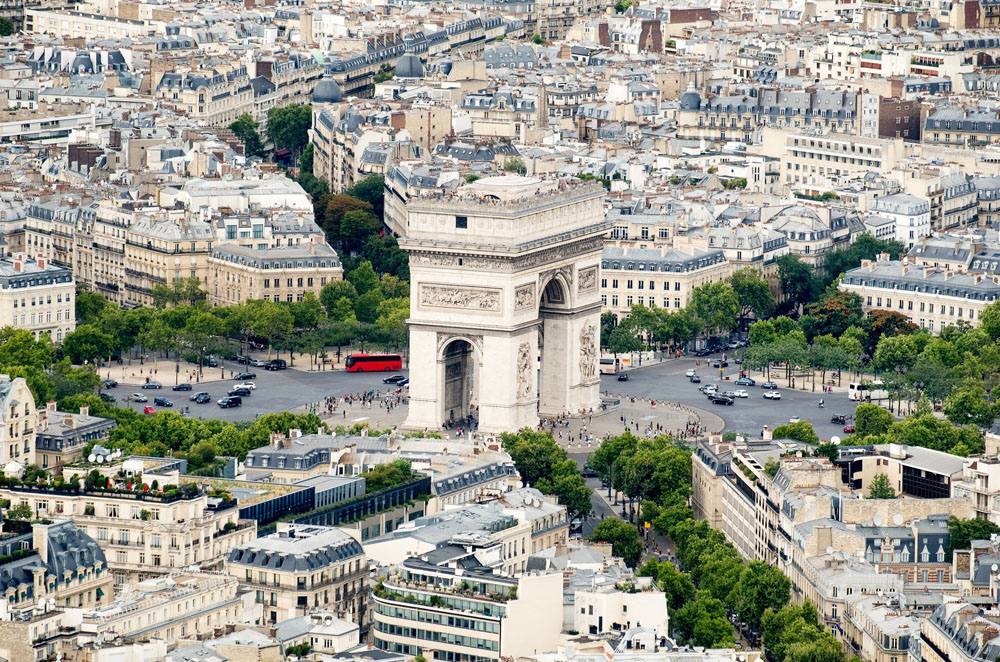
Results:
<point x="373" y="362"/>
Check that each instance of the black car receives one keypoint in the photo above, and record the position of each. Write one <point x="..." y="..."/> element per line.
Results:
<point x="200" y="398"/>
<point x="623" y="376"/>
<point x="162" y="402"/>
<point x="230" y="401"/>
<point x="395" y="379"/>
<point x="720" y="364"/>
<point x="722" y="400"/>
<point x="109" y="383"/>
<point x="839" y="419"/>
<point x="108" y="398"/>
<point x="703" y="352"/>
<point x="242" y="392"/>
<point x="245" y="360"/>
<point x="246" y="375"/>
<point x="275" y="364"/>
<point x="152" y="384"/>
<point x="695" y="379"/>
<point x="182" y="387"/>
<point x="588" y="473"/>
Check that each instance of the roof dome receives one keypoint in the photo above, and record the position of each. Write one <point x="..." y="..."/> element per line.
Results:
<point x="690" y="100"/>
<point x="409" y="66"/>
<point x="327" y="91"/>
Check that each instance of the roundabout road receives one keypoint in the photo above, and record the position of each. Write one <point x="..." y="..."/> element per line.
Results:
<point x="666" y="381"/>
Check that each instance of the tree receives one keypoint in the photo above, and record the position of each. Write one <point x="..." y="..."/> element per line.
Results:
<point x="715" y="307"/>
<point x="676" y="585"/>
<point x="833" y="314"/>
<point x="989" y="320"/>
<point x="371" y="189"/>
<point x="343" y="311"/>
<point x="21" y="511"/>
<point x="387" y="475"/>
<point x="366" y="307"/>
<point x="761" y="587"/>
<point x="288" y="126"/>
<point x="356" y="225"/>
<point x="970" y="404"/>
<point x="797" y="281"/>
<point x="567" y="485"/>
<point x="87" y="344"/>
<point x="514" y="164"/>
<point x="386" y="256"/>
<point x="90" y="306"/>
<point x="363" y="278"/>
<point x="963" y="531"/>
<point x="6" y="27"/>
<point x="534" y="454"/>
<point x="881" y="487"/>
<point x="247" y="130"/>
<point x="622" y="536"/>
<point x="871" y="419"/>
<point x="752" y="292"/>
<point x="306" y="160"/>
<point x="537" y="39"/>
<point x="336" y="290"/>
<point x="307" y="313"/>
<point x="623" y="340"/>
<point x="801" y="431"/>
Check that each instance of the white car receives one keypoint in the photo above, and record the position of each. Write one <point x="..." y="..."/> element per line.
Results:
<point x="741" y="393"/>
<point x="710" y="391"/>
<point x="772" y="395"/>
<point x="690" y="372"/>
<point x="794" y="419"/>
<point x="138" y="397"/>
<point x="249" y="385"/>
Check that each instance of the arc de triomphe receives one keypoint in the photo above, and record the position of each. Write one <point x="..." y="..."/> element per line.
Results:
<point x="505" y="300"/>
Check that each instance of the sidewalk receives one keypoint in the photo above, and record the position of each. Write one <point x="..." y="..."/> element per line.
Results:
<point x="166" y="371"/>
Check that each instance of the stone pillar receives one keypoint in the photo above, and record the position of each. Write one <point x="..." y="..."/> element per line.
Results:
<point x="427" y="392"/>
<point x="555" y="372"/>
<point x="507" y="397"/>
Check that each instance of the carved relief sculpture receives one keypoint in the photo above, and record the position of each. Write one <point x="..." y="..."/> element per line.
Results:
<point x="588" y="279"/>
<point x="523" y="371"/>
<point x="588" y="352"/>
<point x="524" y="297"/>
<point x="460" y="297"/>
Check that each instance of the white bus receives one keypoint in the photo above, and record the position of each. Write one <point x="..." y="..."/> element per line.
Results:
<point x="609" y="365"/>
<point x="867" y="391"/>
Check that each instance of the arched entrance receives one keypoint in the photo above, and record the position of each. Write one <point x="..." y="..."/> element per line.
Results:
<point x="554" y="312"/>
<point x="460" y="378"/>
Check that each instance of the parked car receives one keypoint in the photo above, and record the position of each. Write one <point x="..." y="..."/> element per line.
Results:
<point x="250" y="386"/>
<point x="691" y="372"/>
<point x="745" y="381"/>
<point x="245" y="360"/>
<point x="276" y="364"/>
<point x="695" y="379"/>
<point x="849" y="429"/>
<point x="138" y="397"/>
<point x="395" y="379"/>
<point x="772" y="395"/>
<point x="148" y="410"/>
<point x="703" y="352"/>
<point x="200" y="398"/>
<point x="230" y="401"/>
<point x="109" y="383"/>
<point x="721" y="400"/>
<point x="623" y="376"/>
<point x="162" y="402"/>
<point x="769" y="385"/>
<point x="741" y="393"/>
<point x="242" y="392"/>
<point x="152" y="384"/>
<point x="245" y="375"/>
<point x="259" y="363"/>
<point x="182" y="387"/>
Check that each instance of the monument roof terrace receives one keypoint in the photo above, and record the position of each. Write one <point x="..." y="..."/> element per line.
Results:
<point x="508" y="194"/>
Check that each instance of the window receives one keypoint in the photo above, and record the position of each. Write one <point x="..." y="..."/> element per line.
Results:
<point x="462" y="222"/>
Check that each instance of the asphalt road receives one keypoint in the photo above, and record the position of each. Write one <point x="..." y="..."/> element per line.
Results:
<point x="666" y="381"/>
<point x="290" y="389"/>
<point x="279" y="390"/>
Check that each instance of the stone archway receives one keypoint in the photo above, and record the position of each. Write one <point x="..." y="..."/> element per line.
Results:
<point x="497" y="277"/>
<point x="459" y="369"/>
